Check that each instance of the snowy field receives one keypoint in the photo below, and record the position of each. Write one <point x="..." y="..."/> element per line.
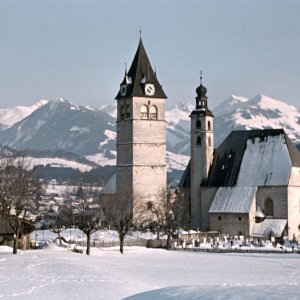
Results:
<point x="141" y="273"/>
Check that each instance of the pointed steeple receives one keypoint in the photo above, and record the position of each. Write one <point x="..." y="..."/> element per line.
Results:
<point x="139" y="75"/>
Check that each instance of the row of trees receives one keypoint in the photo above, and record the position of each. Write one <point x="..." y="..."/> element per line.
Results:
<point x="166" y="215"/>
<point x="20" y="195"/>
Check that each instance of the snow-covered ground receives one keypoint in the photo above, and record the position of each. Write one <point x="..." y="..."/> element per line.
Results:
<point x="141" y="273"/>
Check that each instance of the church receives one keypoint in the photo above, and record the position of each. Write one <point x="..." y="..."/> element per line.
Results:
<point x="249" y="185"/>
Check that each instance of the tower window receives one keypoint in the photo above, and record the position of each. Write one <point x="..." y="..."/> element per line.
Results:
<point x="198" y="124"/>
<point x="198" y="141"/>
<point x="269" y="208"/>
<point x="144" y="112"/>
<point x="122" y="112"/>
<point x="153" y="112"/>
<point x="209" y="141"/>
<point x="127" y="111"/>
<point x="208" y="125"/>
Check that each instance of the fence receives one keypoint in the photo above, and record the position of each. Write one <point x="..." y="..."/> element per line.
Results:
<point x="134" y="242"/>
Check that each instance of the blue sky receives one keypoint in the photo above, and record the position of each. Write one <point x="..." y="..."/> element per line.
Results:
<point x="76" y="49"/>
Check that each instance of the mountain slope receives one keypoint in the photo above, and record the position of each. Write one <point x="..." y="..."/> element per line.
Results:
<point x="10" y="116"/>
<point x="60" y="124"/>
<point x="91" y="133"/>
<point x="257" y="113"/>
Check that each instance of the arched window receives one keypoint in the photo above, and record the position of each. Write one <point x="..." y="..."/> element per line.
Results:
<point x="198" y="124"/>
<point x="122" y="112"/>
<point x="209" y="141"/>
<point x="153" y="112"/>
<point x="198" y="141"/>
<point x="144" y="112"/>
<point x="208" y="125"/>
<point x="269" y="209"/>
<point x="127" y="111"/>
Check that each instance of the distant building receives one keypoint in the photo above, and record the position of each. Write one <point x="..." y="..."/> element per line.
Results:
<point x="249" y="185"/>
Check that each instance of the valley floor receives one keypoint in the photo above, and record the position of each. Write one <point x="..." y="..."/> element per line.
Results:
<point x="141" y="273"/>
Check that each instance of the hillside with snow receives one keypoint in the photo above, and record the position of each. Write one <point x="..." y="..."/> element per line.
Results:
<point x="239" y="113"/>
<point x="10" y="116"/>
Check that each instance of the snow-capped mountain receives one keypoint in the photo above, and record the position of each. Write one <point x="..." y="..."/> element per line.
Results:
<point x="10" y="116"/>
<point x="178" y="128"/>
<point x="91" y="133"/>
<point x="257" y="113"/>
<point x="59" y="124"/>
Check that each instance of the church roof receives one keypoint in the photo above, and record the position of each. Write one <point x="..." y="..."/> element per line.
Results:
<point x="233" y="200"/>
<point x="254" y="158"/>
<point x="139" y="74"/>
<point x="268" y="227"/>
<point x="251" y="158"/>
<point x="110" y="187"/>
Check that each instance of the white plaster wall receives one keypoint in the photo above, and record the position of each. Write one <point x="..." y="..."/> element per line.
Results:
<point x="294" y="212"/>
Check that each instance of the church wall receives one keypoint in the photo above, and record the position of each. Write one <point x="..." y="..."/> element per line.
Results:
<point x="230" y="223"/>
<point x="278" y="194"/>
<point x="124" y="131"/>
<point x="154" y="154"/>
<point x="147" y="131"/>
<point x="149" y="181"/>
<point x="124" y="154"/>
<point x="294" y="204"/>
<point x="124" y="180"/>
<point x="233" y="223"/>
<point x="157" y="102"/>
<point x="294" y="213"/>
<point x="207" y="196"/>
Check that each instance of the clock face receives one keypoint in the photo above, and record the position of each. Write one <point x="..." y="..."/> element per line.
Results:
<point x="123" y="90"/>
<point x="149" y="89"/>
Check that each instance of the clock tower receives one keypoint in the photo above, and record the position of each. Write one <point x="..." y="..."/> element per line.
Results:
<point x="141" y="133"/>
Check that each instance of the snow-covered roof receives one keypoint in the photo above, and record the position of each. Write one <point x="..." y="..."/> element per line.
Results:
<point x="265" y="162"/>
<point x="233" y="200"/>
<point x="110" y="187"/>
<point x="253" y="158"/>
<point x="268" y="226"/>
<point x="259" y="213"/>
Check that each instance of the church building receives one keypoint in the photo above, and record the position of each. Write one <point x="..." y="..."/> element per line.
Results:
<point x="249" y="185"/>
<point x="141" y="134"/>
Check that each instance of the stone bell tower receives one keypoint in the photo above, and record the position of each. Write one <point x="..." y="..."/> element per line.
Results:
<point x="202" y="146"/>
<point x="141" y="132"/>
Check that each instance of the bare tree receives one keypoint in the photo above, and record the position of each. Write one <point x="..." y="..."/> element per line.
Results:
<point x="88" y="218"/>
<point x="19" y="194"/>
<point x="123" y="215"/>
<point x="58" y="220"/>
<point x="168" y="213"/>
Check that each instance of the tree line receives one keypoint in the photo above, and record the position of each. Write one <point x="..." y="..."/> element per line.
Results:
<point x="21" y="194"/>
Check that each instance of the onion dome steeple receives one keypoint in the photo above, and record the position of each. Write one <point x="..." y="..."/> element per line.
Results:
<point x="201" y="100"/>
<point x="141" y="80"/>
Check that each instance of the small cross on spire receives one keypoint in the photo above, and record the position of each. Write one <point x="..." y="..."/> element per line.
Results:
<point x="140" y="31"/>
<point x="125" y="67"/>
<point x="201" y="76"/>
